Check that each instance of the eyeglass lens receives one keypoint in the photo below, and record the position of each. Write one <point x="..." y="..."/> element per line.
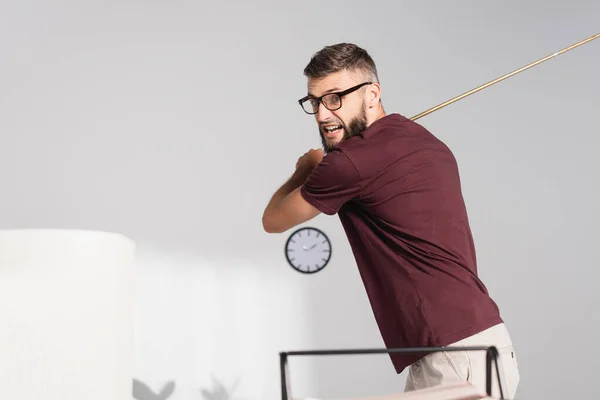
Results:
<point x="331" y="101"/>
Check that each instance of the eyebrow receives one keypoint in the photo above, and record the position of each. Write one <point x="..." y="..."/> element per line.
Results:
<point x="333" y="89"/>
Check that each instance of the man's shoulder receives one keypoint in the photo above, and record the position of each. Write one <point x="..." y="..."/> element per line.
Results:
<point x="400" y="132"/>
<point x="388" y="128"/>
<point x="380" y="136"/>
<point x="390" y="141"/>
<point x="392" y="121"/>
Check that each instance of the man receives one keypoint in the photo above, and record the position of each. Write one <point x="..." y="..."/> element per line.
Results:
<point x="397" y="192"/>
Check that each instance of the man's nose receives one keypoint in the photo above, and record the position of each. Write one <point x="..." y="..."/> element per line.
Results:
<point x="323" y="114"/>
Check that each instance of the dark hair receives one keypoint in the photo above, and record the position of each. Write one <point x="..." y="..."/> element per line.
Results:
<point x="341" y="56"/>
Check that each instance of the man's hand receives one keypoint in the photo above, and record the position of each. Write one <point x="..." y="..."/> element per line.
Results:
<point x="287" y="207"/>
<point x="310" y="160"/>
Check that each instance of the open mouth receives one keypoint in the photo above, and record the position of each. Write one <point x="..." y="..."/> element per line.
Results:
<point x="332" y="130"/>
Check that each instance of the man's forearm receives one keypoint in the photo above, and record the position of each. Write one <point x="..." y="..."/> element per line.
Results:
<point x="280" y="214"/>
<point x="295" y="181"/>
<point x="287" y="208"/>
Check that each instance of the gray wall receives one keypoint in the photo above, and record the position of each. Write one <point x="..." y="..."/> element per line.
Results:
<point x="173" y="122"/>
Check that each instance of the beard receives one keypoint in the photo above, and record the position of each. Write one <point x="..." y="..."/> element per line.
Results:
<point x="356" y="126"/>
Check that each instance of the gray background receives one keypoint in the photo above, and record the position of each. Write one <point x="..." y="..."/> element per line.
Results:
<point x="174" y="121"/>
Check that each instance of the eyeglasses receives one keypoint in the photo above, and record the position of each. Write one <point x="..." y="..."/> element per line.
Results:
<point x="331" y="101"/>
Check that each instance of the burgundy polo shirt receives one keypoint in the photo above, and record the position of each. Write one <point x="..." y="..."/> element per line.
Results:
<point x="397" y="191"/>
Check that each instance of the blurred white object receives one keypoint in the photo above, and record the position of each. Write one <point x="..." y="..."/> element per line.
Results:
<point x="66" y="315"/>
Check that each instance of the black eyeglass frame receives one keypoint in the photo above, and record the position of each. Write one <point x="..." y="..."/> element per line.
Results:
<point x="340" y="94"/>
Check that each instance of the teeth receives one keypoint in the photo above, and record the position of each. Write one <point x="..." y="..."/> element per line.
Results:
<point x="332" y="128"/>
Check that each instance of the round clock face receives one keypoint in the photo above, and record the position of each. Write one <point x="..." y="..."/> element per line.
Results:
<point x="308" y="250"/>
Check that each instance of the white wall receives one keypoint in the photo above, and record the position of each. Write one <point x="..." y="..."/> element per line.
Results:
<point x="173" y="123"/>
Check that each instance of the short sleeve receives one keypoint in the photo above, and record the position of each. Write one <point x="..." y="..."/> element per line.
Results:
<point x="334" y="182"/>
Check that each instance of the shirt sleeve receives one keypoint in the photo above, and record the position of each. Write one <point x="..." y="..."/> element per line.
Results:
<point x="334" y="182"/>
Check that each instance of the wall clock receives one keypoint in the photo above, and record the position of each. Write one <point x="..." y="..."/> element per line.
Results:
<point x="308" y="250"/>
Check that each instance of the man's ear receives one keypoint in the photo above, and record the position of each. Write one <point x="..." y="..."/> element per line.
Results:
<point x="373" y="94"/>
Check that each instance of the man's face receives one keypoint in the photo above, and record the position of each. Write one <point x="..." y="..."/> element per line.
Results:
<point x="350" y="119"/>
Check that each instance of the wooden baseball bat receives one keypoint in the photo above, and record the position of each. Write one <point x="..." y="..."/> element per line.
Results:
<point x="490" y="83"/>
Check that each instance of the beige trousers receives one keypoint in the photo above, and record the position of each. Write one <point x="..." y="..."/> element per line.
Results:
<point x="450" y="366"/>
